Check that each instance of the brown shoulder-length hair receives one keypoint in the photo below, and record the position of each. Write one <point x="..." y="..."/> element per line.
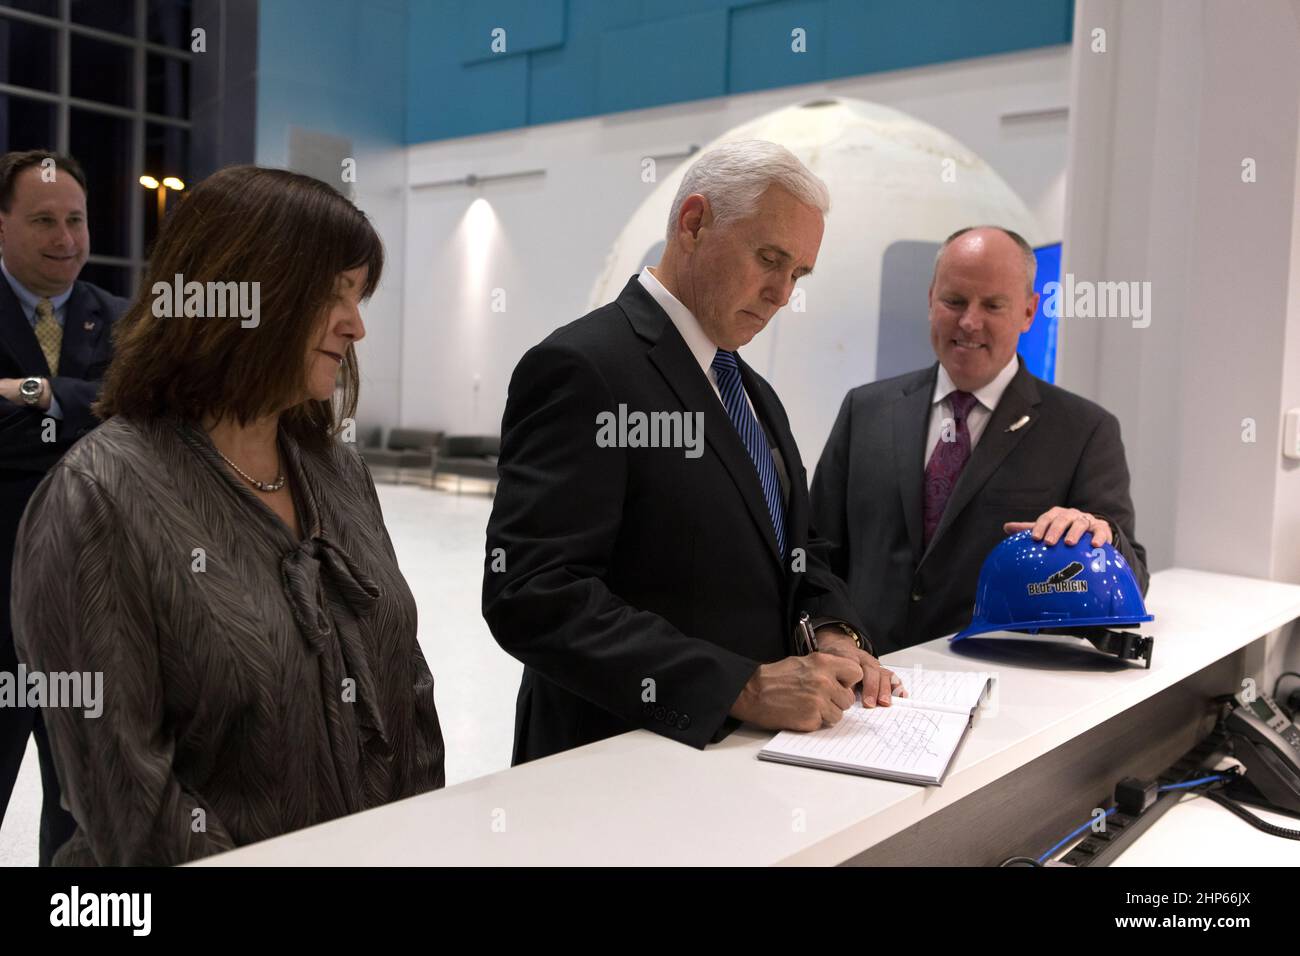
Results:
<point x="288" y="232"/>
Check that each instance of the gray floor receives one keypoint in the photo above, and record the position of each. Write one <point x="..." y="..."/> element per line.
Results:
<point x="439" y="539"/>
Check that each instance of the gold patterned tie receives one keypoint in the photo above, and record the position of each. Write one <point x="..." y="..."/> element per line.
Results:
<point x="49" y="334"/>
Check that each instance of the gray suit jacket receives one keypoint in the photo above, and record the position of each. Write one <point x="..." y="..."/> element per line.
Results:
<point x="223" y="683"/>
<point x="868" y="487"/>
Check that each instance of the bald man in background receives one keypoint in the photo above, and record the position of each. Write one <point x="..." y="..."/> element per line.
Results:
<point x="924" y="473"/>
<point x="55" y="344"/>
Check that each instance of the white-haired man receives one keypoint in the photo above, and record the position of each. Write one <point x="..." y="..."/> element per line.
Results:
<point x="648" y="577"/>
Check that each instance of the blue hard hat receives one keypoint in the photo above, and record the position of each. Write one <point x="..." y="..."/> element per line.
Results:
<point x="1028" y="585"/>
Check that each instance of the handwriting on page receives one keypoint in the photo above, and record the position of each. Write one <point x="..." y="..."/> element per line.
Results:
<point x="887" y="738"/>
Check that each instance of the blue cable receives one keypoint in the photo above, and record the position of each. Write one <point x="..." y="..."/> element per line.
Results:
<point x="1043" y="858"/>
<point x="1169" y="786"/>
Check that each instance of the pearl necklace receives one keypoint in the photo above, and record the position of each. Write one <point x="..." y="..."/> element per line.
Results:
<point x="259" y="485"/>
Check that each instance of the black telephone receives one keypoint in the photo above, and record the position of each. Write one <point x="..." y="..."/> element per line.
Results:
<point x="1259" y="734"/>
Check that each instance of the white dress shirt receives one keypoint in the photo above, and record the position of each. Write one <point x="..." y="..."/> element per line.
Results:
<point x="697" y="340"/>
<point x="986" y="399"/>
<point x="704" y="349"/>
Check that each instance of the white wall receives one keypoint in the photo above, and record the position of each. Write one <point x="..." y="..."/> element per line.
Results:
<point x="1160" y="125"/>
<point x="1286" y="498"/>
<point x="381" y="192"/>
<point x="547" y="238"/>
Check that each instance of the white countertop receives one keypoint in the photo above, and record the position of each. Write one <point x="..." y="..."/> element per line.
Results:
<point x="643" y="800"/>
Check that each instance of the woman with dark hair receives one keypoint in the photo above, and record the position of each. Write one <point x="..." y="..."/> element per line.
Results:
<point x="220" y="556"/>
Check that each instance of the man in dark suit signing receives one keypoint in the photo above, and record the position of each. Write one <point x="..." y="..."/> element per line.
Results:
<point x="923" y="474"/>
<point x="648" y="575"/>
<point x="55" y="343"/>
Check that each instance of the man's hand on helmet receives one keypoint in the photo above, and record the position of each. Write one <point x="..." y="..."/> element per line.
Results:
<point x="1071" y="522"/>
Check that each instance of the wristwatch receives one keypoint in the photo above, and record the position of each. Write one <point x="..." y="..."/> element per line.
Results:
<point x="30" y="389"/>
<point x="810" y="627"/>
<point x="841" y="626"/>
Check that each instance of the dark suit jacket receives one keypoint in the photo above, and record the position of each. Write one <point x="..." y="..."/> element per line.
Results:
<point x="641" y="588"/>
<point x="24" y="457"/>
<point x="868" y="488"/>
<point x="87" y="350"/>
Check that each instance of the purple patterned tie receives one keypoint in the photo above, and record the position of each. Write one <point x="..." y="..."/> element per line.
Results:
<point x="946" y="463"/>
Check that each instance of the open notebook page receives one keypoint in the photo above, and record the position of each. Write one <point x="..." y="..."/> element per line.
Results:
<point x="955" y="691"/>
<point x="900" y="742"/>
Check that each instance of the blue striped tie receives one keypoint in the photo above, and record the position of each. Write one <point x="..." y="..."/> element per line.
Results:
<point x="751" y="433"/>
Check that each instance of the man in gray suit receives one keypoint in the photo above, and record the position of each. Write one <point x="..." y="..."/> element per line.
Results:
<point x="923" y="474"/>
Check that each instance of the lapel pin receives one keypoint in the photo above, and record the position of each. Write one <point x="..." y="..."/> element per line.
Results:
<point x="1019" y="423"/>
<point x="89" y="326"/>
